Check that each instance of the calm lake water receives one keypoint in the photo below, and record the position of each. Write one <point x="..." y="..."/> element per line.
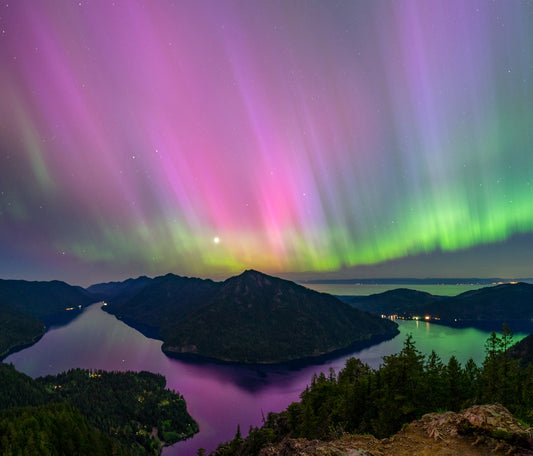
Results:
<point x="218" y="396"/>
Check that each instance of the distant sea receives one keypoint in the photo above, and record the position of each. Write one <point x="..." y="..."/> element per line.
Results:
<point x="356" y="289"/>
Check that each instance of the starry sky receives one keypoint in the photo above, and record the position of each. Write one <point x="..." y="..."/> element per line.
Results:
<point x="303" y="138"/>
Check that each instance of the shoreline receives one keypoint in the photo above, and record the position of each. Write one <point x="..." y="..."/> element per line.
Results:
<point x="19" y="347"/>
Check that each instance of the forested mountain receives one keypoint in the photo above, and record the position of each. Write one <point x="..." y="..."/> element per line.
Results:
<point x="17" y="330"/>
<point x="523" y="350"/>
<point x="248" y="318"/>
<point x="505" y="302"/>
<point x="56" y="429"/>
<point x="27" y="307"/>
<point x="256" y="318"/>
<point x="400" y="301"/>
<point x="42" y="299"/>
<point x="127" y="404"/>
<point x="501" y="302"/>
<point x="19" y="390"/>
<point x="160" y="301"/>
<point x="131" y="413"/>
<point x="125" y="289"/>
<point x="362" y="400"/>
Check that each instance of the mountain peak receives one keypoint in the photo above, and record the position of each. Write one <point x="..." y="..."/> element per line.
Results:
<point x="252" y="273"/>
<point x="253" y="278"/>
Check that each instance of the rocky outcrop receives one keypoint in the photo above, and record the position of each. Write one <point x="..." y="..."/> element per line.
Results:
<point x="479" y="430"/>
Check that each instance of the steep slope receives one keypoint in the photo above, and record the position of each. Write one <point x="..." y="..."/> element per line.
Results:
<point x="129" y="409"/>
<point x="26" y="308"/>
<point x="160" y="301"/>
<point x="19" y="390"/>
<point x="523" y="350"/>
<point x="42" y="299"/>
<point x="126" y="289"/>
<point x="255" y="318"/>
<point x="506" y="302"/>
<point x="401" y="301"/>
<point x="57" y="429"/>
<point x="17" y="330"/>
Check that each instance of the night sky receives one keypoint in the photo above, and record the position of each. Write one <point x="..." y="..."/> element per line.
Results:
<point x="300" y="138"/>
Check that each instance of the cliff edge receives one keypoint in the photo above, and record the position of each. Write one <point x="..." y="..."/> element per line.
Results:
<point x="476" y="431"/>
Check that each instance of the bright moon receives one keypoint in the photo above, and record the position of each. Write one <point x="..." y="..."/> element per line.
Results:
<point x="216" y="240"/>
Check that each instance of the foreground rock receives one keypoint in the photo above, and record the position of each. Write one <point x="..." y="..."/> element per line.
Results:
<point x="479" y="430"/>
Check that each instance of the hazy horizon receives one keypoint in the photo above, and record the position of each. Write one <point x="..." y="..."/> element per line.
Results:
<point x="315" y="279"/>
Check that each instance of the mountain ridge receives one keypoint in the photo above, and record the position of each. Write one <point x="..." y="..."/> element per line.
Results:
<point x="249" y="318"/>
<point x="498" y="304"/>
<point x="28" y="307"/>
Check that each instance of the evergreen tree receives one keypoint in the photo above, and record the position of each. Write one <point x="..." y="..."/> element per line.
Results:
<point x="435" y="390"/>
<point x="456" y="385"/>
<point x="402" y="375"/>
<point x="407" y="385"/>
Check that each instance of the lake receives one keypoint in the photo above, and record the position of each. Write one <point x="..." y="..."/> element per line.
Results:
<point x="218" y="396"/>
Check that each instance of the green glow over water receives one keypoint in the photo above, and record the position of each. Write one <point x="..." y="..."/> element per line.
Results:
<point x="354" y="289"/>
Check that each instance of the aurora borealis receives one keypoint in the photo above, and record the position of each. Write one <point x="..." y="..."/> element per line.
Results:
<point x="295" y="137"/>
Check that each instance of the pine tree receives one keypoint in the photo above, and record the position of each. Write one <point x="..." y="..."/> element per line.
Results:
<point x="456" y="385"/>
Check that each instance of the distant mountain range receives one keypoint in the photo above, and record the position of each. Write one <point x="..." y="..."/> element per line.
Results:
<point x="253" y="317"/>
<point x="418" y="281"/>
<point x="152" y="303"/>
<point x="501" y="303"/>
<point x="250" y="318"/>
<point x="42" y="299"/>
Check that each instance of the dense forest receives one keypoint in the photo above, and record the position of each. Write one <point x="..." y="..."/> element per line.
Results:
<point x="55" y="430"/>
<point x="124" y="412"/>
<point x="501" y="303"/>
<point x="362" y="400"/>
<point x="26" y="308"/>
<point x="256" y="318"/>
<point x="17" y="330"/>
<point x="43" y="300"/>
<point x="523" y="350"/>
<point x="249" y="318"/>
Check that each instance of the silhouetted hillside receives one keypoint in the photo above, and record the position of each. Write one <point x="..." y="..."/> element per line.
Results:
<point x="506" y="302"/>
<point x="160" y="301"/>
<point x="17" y="330"/>
<point x="501" y="302"/>
<point x="27" y="307"/>
<point x="523" y="350"/>
<point x="19" y="390"/>
<point x="255" y="318"/>
<point x="90" y="412"/>
<point x="401" y="301"/>
<point x="57" y="429"/>
<point x="249" y="318"/>
<point x="42" y="299"/>
<point x="126" y="289"/>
